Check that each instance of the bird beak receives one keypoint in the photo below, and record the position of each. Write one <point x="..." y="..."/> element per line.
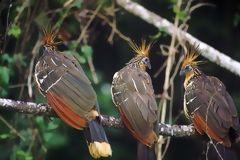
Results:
<point x="149" y="65"/>
<point x="182" y="72"/>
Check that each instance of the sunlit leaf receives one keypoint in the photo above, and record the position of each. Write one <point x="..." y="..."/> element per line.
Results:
<point x="4" y="136"/>
<point x="87" y="51"/>
<point x="4" y="75"/>
<point x="53" y="124"/>
<point x="14" y="31"/>
<point x="22" y="155"/>
<point x="77" y="3"/>
<point x="181" y="14"/>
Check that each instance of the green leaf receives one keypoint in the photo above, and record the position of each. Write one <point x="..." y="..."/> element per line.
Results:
<point x="80" y="58"/>
<point x="14" y="31"/>
<point x="4" y="75"/>
<point x="87" y="51"/>
<point x="5" y="58"/>
<point x="53" y="124"/>
<point x="23" y="155"/>
<point x="77" y="3"/>
<point x="181" y="14"/>
<point x="4" y="136"/>
<point x="40" y="123"/>
<point x="3" y="92"/>
<point x="73" y="45"/>
<point x="54" y="139"/>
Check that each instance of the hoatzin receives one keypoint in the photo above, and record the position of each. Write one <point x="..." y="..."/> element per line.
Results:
<point x="69" y="92"/>
<point x="207" y="103"/>
<point x="133" y="95"/>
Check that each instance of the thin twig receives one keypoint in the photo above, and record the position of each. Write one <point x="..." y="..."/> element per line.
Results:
<point x="12" y="128"/>
<point x="207" y="51"/>
<point x="121" y="35"/>
<point x="170" y="62"/>
<point x="84" y="30"/>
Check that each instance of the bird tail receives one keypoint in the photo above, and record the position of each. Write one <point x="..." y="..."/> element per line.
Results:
<point x="145" y="153"/>
<point x="97" y="141"/>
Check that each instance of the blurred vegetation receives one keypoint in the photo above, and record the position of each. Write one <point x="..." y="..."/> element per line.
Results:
<point x="96" y="32"/>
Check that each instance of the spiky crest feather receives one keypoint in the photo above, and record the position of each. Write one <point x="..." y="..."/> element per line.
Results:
<point x="141" y="50"/>
<point x="49" y="35"/>
<point x="191" y="56"/>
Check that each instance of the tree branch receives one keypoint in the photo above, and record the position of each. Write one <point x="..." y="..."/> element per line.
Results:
<point x="109" y="121"/>
<point x="207" y="51"/>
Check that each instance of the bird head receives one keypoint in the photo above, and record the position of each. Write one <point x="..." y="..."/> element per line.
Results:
<point x="190" y="62"/>
<point x="48" y="38"/>
<point x="142" y="54"/>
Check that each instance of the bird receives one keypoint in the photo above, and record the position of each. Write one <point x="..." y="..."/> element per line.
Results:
<point x="133" y="95"/>
<point x="207" y="103"/>
<point x="61" y="79"/>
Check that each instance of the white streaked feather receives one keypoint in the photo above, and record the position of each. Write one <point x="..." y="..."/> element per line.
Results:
<point x="190" y="84"/>
<point x="190" y="101"/>
<point x="64" y="65"/>
<point x="144" y="85"/>
<point x="41" y="80"/>
<point x="53" y="62"/>
<point x="135" y="86"/>
<point x="196" y="109"/>
<point x="115" y="75"/>
<point x="116" y="93"/>
<point x="53" y="84"/>
<point x="185" y="108"/>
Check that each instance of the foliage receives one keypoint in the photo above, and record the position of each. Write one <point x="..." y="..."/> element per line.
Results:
<point x="101" y="48"/>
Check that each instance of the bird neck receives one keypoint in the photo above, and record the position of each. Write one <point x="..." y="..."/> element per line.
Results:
<point x="135" y="62"/>
<point x="196" y="72"/>
<point x="188" y="77"/>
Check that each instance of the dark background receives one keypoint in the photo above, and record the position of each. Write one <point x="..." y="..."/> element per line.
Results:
<point x="49" y="138"/>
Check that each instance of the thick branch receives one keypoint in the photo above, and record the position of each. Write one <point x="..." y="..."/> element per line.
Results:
<point x="159" y="22"/>
<point x="110" y="121"/>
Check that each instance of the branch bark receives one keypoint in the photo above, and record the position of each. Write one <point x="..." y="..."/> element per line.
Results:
<point x="207" y="51"/>
<point x="109" y="121"/>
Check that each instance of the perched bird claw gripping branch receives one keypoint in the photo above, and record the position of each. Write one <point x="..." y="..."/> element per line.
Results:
<point x="68" y="91"/>
<point x="133" y="95"/>
<point x="207" y="103"/>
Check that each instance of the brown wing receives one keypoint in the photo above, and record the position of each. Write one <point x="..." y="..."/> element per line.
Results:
<point x="133" y="93"/>
<point x="212" y="109"/>
<point x="65" y="113"/>
<point x="62" y="79"/>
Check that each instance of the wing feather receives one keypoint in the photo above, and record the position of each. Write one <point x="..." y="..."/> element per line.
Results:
<point x="133" y="94"/>
<point x="64" y="112"/>
<point x="63" y="76"/>
<point x="208" y="98"/>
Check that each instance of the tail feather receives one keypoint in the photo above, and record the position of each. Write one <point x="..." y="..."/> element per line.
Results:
<point x="145" y="153"/>
<point x="98" y="144"/>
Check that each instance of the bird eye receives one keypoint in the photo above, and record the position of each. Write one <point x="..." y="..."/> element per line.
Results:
<point x="188" y="67"/>
<point x="145" y="60"/>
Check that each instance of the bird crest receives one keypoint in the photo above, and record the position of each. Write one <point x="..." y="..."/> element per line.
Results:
<point x="191" y="55"/>
<point x="141" y="50"/>
<point x="49" y="35"/>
